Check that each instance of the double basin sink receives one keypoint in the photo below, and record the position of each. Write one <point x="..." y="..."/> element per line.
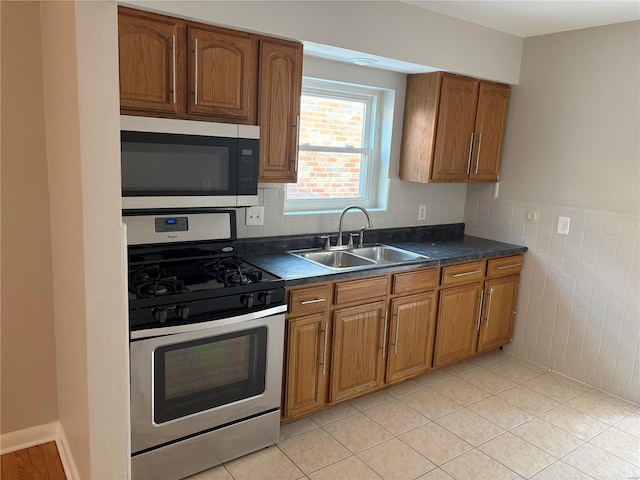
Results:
<point x="340" y="258"/>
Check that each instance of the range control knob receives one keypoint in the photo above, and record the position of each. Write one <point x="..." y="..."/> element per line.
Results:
<point x="160" y="314"/>
<point x="182" y="311"/>
<point x="265" y="297"/>
<point x="247" y="300"/>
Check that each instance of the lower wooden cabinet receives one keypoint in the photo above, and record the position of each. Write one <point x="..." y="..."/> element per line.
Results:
<point x="499" y="310"/>
<point x="357" y="364"/>
<point x="351" y="337"/>
<point x="411" y="332"/>
<point x="306" y="364"/>
<point x="458" y="320"/>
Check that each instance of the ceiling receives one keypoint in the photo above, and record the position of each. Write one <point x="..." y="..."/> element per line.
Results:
<point x="527" y="18"/>
<point x="523" y="18"/>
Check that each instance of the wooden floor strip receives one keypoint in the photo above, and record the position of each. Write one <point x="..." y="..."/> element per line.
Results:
<point x="41" y="462"/>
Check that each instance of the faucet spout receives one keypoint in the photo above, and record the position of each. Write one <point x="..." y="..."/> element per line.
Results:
<point x="351" y="207"/>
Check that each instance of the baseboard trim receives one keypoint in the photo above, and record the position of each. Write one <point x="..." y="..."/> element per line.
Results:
<point x="28" y="437"/>
<point x="32" y="436"/>
<point x="69" y="465"/>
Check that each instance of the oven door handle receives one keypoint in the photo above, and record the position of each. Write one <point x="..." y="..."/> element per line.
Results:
<point x="194" y="327"/>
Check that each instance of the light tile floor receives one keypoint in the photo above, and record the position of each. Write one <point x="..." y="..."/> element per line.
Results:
<point x="492" y="417"/>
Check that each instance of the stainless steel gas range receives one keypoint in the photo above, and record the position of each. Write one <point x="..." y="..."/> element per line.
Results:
<point x="207" y="333"/>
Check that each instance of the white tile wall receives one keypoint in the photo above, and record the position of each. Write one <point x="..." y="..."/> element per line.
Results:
<point x="579" y="298"/>
<point x="445" y="204"/>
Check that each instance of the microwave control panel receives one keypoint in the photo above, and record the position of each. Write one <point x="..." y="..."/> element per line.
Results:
<point x="248" y="158"/>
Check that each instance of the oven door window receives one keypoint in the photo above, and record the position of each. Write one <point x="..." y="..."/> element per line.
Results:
<point x="166" y="164"/>
<point x="206" y="373"/>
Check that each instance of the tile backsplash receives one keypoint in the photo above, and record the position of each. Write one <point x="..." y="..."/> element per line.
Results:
<point x="579" y="297"/>
<point x="445" y="204"/>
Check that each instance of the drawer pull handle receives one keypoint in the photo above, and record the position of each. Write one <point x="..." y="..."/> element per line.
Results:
<point x="480" y="309"/>
<point x="509" y="266"/>
<point x="489" y="307"/>
<point x="395" y="342"/>
<point x="317" y="300"/>
<point x="384" y="336"/>
<point x="324" y="352"/>
<point x="466" y="273"/>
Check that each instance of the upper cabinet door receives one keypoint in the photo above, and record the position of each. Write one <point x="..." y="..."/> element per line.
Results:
<point x="491" y="118"/>
<point x="279" y="110"/>
<point x="148" y="57"/>
<point x="222" y="74"/>
<point x="454" y="137"/>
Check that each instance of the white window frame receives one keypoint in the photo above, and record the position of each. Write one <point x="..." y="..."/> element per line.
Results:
<point x="370" y="166"/>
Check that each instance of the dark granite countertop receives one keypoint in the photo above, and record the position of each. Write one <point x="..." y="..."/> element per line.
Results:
<point x="443" y="244"/>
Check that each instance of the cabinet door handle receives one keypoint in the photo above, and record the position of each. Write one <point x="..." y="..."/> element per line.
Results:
<point x="384" y="336"/>
<point x="395" y="342"/>
<point x="173" y="65"/>
<point x="480" y="310"/>
<point x="502" y="267"/>
<point x="324" y="352"/>
<point x="195" y="75"/>
<point x="297" y="145"/>
<point x="470" y="151"/>
<point x="489" y="307"/>
<point x="307" y="302"/>
<point x="455" y="275"/>
<point x="478" y="153"/>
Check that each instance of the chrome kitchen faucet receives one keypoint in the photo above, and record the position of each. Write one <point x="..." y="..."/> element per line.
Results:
<point x="362" y="229"/>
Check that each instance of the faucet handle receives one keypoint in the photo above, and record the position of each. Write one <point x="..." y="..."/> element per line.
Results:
<point x="361" y="237"/>
<point x="351" y="237"/>
<point x="327" y="242"/>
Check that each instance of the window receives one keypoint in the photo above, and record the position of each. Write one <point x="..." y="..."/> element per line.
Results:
<point x="339" y="147"/>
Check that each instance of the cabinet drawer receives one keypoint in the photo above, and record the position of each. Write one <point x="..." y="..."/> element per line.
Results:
<point x="463" y="273"/>
<point x="499" y="267"/>
<point x="304" y="301"/>
<point x="418" y="281"/>
<point x="357" y="290"/>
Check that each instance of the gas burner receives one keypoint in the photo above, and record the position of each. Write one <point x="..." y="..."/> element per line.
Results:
<point x="242" y="277"/>
<point x="145" y="274"/>
<point x="220" y="266"/>
<point x="151" y="281"/>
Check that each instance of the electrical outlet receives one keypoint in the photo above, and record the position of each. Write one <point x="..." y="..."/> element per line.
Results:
<point x="563" y="225"/>
<point x="422" y="212"/>
<point x="533" y="216"/>
<point x="255" y="216"/>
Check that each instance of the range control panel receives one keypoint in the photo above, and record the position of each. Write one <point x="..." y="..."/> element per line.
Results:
<point x="172" y="224"/>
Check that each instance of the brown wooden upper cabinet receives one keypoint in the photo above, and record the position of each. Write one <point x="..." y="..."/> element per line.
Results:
<point x="279" y="112"/>
<point x="170" y="67"/>
<point x="148" y="63"/>
<point x="453" y="129"/>
<point x="222" y="73"/>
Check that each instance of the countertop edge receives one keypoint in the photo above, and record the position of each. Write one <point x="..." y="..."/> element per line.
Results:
<point x="297" y="271"/>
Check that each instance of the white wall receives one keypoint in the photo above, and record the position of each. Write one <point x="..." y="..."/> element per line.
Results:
<point x="572" y="147"/>
<point x="573" y="124"/>
<point x="29" y="387"/>
<point x="445" y="203"/>
<point x="91" y="333"/>
<point x="390" y="29"/>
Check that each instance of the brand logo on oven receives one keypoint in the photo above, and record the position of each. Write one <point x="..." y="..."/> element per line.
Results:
<point x="172" y="236"/>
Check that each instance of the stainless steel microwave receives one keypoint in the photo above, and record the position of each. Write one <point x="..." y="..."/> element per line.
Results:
<point x="169" y="163"/>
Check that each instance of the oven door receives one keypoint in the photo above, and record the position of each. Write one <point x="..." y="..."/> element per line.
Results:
<point x="208" y="375"/>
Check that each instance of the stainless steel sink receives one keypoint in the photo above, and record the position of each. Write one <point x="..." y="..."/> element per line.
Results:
<point x="353" y="257"/>
<point x="336" y="259"/>
<point x="385" y="254"/>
